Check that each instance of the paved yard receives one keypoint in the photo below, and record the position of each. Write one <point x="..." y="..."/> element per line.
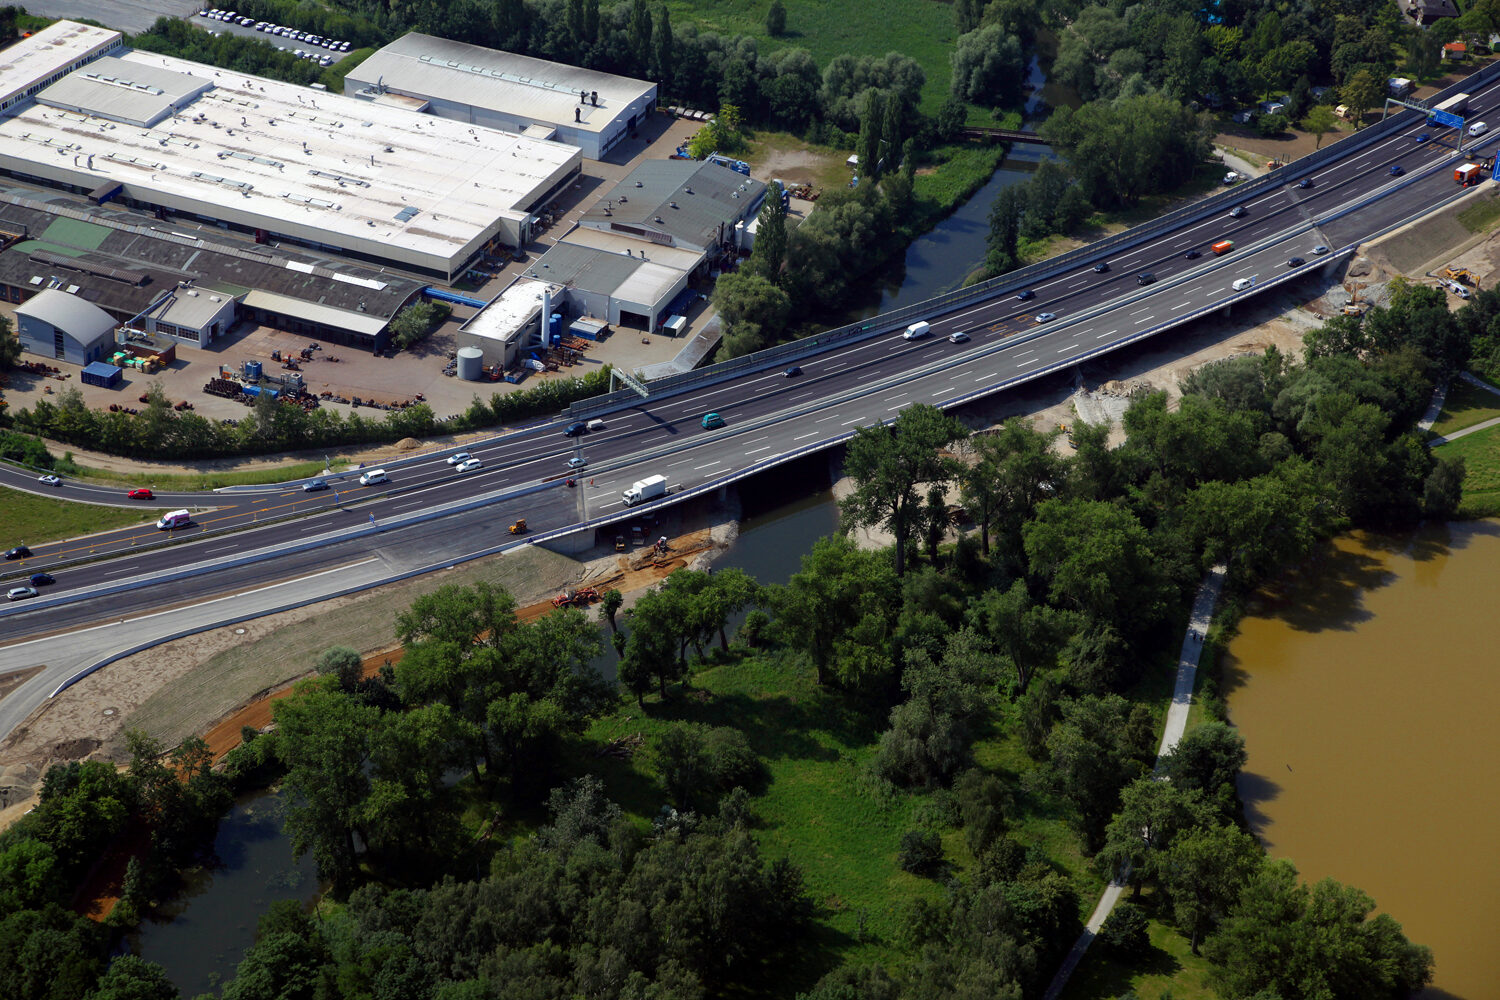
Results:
<point x="133" y="16"/>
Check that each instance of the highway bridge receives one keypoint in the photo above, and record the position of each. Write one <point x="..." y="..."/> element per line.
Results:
<point x="266" y="549"/>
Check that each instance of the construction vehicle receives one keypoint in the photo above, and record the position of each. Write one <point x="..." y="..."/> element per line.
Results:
<point x="519" y="528"/>
<point x="575" y="598"/>
<point x="1462" y="275"/>
<point x="619" y="543"/>
<point x="1469" y="173"/>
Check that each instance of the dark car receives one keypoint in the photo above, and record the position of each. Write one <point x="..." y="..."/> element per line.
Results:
<point x="1423" y="136"/>
<point x="576" y="428"/>
<point x="1101" y="267"/>
<point x="1145" y="278"/>
<point x="314" y="485"/>
<point x="1193" y="254"/>
<point x="19" y="552"/>
<point x="1305" y="183"/>
<point x="792" y="371"/>
<point x="1295" y="262"/>
<point x="41" y="579"/>
<point x="1397" y="170"/>
<point x="1025" y="296"/>
<point x="1238" y="212"/>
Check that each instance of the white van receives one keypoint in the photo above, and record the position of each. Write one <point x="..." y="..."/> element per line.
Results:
<point x="1240" y="284"/>
<point x="372" y="476"/>
<point x="1478" y="128"/>
<point x="595" y="425"/>
<point x="917" y="330"/>
<point x="173" y="519"/>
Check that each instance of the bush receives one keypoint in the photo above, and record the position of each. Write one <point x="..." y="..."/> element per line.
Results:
<point x="730" y="760"/>
<point x="412" y="324"/>
<point x="921" y="852"/>
<point x="1124" y="934"/>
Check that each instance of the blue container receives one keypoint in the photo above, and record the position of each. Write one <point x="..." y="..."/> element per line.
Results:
<point x="554" y="328"/>
<point x="252" y="369"/>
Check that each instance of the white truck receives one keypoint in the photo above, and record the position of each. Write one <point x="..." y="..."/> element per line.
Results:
<point x="645" y="489"/>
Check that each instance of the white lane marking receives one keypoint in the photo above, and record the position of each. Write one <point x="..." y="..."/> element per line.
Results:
<point x="945" y="390"/>
<point x="311" y="527"/>
<point x="1103" y="335"/>
<point x="221" y="548"/>
<point x="685" y="461"/>
<point x="841" y="364"/>
<point x="856" y="420"/>
<point x="959" y="375"/>
<point x="752" y="451"/>
<point x="715" y="462"/>
<point x="1216" y="291"/>
<point x="1065" y="350"/>
<point x="800" y="437"/>
<point x="409" y="506"/>
<point x="831" y="416"/>
<point x="1142" y="309"/>
<point x="1182" y="305"/>
<point x="1028" y="361"/>
<point x="1148" y="319"/>
<point x="216" y="600"/>
<point x="1024" y="353"/>
<point x="898" y="406"/>
<point x="801" y="395"/>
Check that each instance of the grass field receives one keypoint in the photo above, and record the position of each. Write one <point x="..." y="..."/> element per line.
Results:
<point x="33" y="519"/>
<point x="206" y="480"/>
<point x="1481" y="216"/>
<point x="923" y="30"/>
<point x="1169" y="970"/>
<point x="1465" y="405"/>
<point x="1481" y="454"/>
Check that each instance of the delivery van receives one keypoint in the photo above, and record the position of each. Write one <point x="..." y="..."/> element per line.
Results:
<point x="174" y="519"/>
<point x="1222" y="247"/>
<point x="373" y="476"/>
<point x="919" y="329"/>
<point x="1240" y="284"/>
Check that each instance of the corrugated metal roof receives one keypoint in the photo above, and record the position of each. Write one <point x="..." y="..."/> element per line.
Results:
<point x="81" y="320"/>
<point x="343" y="319"/>
<point x="686" y="199"/>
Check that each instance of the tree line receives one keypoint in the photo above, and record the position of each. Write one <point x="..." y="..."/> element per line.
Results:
<point x="272" y="425"/>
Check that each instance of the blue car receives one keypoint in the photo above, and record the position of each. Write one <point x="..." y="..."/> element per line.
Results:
<point x="1423" y="136"/>
<point x="1397" y="170"/>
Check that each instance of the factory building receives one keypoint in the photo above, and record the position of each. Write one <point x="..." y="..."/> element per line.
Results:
<point x="64" y="327"/>
<point x="182" y="287"/>
<point x="478" y="86"/>
<point x="285" y="163"/>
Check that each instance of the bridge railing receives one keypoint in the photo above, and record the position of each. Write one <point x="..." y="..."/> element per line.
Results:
<point x="1009" y="283"/>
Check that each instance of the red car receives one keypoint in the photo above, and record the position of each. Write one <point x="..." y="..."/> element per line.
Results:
<point x="141" y="495"/>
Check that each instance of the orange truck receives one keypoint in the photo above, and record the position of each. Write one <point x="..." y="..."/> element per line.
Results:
<point x="1222" y="247"/>
<point x="1469" y="173"/>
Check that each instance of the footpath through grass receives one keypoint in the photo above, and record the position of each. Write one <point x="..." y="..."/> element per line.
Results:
<point x="1465" y="405"/>
<point x="1481" y="454"/>
<point x="829" y="28"/>
<point x="34" y="519"/>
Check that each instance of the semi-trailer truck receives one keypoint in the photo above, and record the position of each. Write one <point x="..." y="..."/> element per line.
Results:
<point x="645" y="489"/>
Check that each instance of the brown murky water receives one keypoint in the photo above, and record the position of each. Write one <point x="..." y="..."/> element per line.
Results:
<point x="1368" y="693"/>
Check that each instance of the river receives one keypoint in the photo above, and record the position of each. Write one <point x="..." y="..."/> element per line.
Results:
<point x="1366" y="693"/>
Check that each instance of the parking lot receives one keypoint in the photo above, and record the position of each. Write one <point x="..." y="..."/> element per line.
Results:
<point x="222" y="21"/>
<point x="133" y="16"/>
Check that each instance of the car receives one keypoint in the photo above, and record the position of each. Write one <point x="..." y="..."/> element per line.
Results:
<point x="18" y="552"/>
<point x="20" y="593"/>
<point x="204" y="13"/>
<point x="792" y="372"/>
<point x="470" y="465"/>
<point x="1397" y="170"/>
<point x="315" y="486"/>
<point x="49" y="480"/>
<point x="958" y="337"/>
<point x="711" y="420"/>
<point x="577" y="462"/>
<point x="576" y="428"/>
<point x="462" y="456"/>
<point x="42" y="579"/>
<point x="1193" y="254"/>
<point x="1238" y="212"/>
<point x="1478" y="128"/>
<point x="140" y="494"/>
<point x="1305" y="183"/>
<point x="1025" y="295"/>
<point x="1045" y="317"/>
<point x="1319" y="250"/>
<point x="1423" y="137"/>
<point x="1101" y="267"/>
<point x="1295" y="262"/>
<point x="1145" y="278"/>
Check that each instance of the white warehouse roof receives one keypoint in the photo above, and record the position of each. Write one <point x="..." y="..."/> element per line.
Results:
<point x="326" y="169"/>
<point x="79" y="318"/>
<point x="515" y="84"/>
<point x="30" y="61"/>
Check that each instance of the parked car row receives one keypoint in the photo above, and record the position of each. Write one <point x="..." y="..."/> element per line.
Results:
<point x="279" y="30"/>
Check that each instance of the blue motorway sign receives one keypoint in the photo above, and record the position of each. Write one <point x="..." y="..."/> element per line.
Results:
<point x="1495" y="170"/>
<point x="1446" y="118"/>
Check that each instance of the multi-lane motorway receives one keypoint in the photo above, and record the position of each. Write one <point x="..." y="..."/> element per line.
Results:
<point x="771" y="416"/>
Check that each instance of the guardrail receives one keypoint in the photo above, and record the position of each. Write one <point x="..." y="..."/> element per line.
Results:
<point x="1008" y="283"/>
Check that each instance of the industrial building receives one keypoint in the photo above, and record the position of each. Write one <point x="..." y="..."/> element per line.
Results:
<point x="180" y="286"/>
<point x="510" y="324"/>
<point x="283" y="162"/>
<point x="65" y="327"/>
<point x="634" y="254"/>
<point x="480" y="86"/>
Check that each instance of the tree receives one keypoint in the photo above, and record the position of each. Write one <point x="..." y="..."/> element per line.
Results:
<point x="981" y="804"/>
<point x="1363" y="91"/>
<point x="413" y="324"/>
<point x="580" y="812"/>
<point x="1125" y="933"/>
<point x="1203" y="873"/>
<point x="754" y="312"/>
<point x="1317" y="942"/>
<point x="342" y="663"/>
<point x="640" y="33"/>
<point x="664" y="47"/>
<point x="1025" y="633"/>
<point x="1096" y="558"/>
<point x="1207" y="758"/>
<point x="776" y="19"/>
<point x="1152" y="813"/>
<point x="1122" y="150"/>
<point x="869" y="134"/>
<point x="840" y="608"/>
<point x="921" y="852"/>
<point x="988" y="67"/>
<point x="769" y="254"/>
<point x="1319" y="121"/>
<point x="609" y="603"/>
<point x="131" y="978"/>
<point x="1096" y="750"/>
<point x="887" y="465"/>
